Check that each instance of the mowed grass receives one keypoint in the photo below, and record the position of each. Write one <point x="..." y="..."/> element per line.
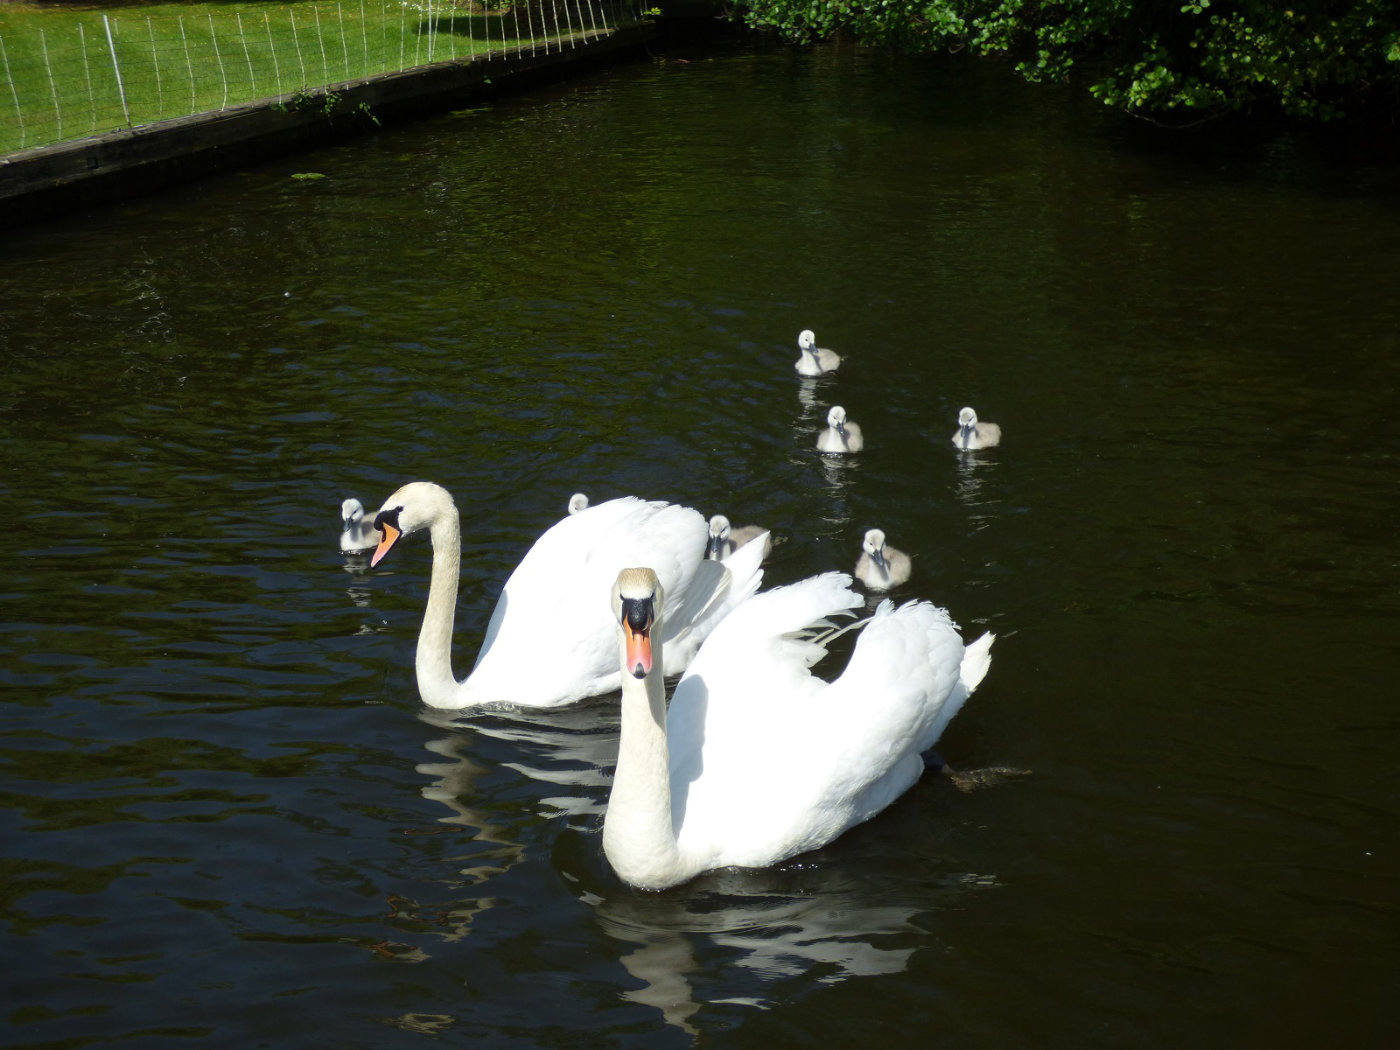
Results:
<point x="58" y="81"/>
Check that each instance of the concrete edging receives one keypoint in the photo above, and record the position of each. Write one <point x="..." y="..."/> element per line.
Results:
<point x="53" y="180"/>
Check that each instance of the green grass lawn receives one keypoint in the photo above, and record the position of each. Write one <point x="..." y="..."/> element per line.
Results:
<point x="58" y="81"/>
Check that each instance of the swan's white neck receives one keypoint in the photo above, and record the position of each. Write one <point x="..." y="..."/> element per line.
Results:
<point x="436" y="684"/>
<point x="638" y="837"/>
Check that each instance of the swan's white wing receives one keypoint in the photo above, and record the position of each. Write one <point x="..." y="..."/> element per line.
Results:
<point x="732" y="716"/>
<point x="552" y="638"/>
<point x="899" y="691"/>
<point x="716" y="590"/>
<point x="774" y="761"/>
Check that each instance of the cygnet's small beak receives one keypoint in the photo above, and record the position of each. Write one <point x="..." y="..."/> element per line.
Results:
<point x="879" y="558"/>
<point x="390" y="537"/>
<point x="712" y="548"/>
<point x="966" y="434"/>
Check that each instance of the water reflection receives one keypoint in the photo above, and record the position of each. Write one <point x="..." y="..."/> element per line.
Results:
<point x="684" y="946"/>
<point x="975" y="472"/>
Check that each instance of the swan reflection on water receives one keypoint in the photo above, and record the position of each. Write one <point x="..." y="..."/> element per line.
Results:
<point x="682" y="948"/>
<point x="804" y="924"/>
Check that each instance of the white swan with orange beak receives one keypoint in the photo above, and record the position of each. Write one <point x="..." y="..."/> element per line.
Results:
<point x="550" y="639"/>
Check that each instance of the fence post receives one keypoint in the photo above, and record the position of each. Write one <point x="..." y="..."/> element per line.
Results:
<point x="121" y="91"/>
<point x="242" y="39"/>
<point x="272" y="50"/>
<point x="223" y="77"/>
<point x="155" y="62"/>
<point x="530" y="25"/>
<point x="87" y="75"/>
<point x="321" y="40"/>
<point x="188" y="64"/>
<point x="296" y="42"/>
<point x="53" y="89"/>
<point x="344" y="47"/>
<point x="14" y="94"/>
<point x="364" y="40"/>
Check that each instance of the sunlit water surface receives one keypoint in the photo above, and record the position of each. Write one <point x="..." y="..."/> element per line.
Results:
<point x="229" y="820"/>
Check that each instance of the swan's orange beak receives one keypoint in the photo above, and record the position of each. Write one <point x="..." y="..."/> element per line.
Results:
<point x="638" y="650"/>
<point x="389" y="538"/>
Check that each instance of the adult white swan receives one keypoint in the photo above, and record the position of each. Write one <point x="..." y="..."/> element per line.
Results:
<point x="758" y="759"/>
<point x="550" y="639"/>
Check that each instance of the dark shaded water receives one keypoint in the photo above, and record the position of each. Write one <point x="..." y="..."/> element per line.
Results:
<point x="228" y="819"/>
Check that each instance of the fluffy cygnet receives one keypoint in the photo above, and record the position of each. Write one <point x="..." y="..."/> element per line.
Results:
<point x="840" y="434"/>
<point x="880" y="567"/>
<point x="358" y="534"/>
<point x="724" y="541"/>
<point x="974" y="434"/>
<point x="815" y="360"/>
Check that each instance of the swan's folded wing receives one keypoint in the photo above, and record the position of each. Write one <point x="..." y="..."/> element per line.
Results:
<point x="717" y="589"/>
<point x="557" y="595"/>
<point x="901" y="686"/>
<point x="738" y="702"/>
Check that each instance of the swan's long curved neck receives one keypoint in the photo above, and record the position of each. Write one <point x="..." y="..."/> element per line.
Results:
<point x="638" y="836"/>
<point x="436" y="684"/>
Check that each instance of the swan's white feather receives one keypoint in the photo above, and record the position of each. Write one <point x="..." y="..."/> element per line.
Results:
<point x="768" y="761"/>
<point x="552" y="638"/>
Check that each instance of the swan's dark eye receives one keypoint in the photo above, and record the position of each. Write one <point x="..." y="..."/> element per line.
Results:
<point x="637" y="613"/>
<point x="390" y="516"/>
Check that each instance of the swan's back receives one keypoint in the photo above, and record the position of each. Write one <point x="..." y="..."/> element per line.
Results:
<point x="550" y="615"/>
<point x="769" y="761"/>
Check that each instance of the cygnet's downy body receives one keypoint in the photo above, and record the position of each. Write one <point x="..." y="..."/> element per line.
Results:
<point x="358" y="533"/>
<point x="815" y="360"/>
<point x="725" y="540"/>
<point x="840" y="434"/>
<point x="973" y="433"/>
<point x="880" y="567"/>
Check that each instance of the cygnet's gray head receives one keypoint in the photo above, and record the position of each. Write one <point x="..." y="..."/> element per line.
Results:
<point x="719" y="533"/>
<point x="874" y="546"/>
<point x="967" y="418"/>
<point x="806" y="339"/>
<point x="836" y="418"/>
<point x="577" y="502"/>
<point x="351" y="511"/>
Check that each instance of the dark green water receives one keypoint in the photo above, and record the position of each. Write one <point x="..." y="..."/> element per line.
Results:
<point x="229" y="821"/>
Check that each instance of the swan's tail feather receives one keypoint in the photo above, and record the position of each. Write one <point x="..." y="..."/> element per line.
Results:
<point x="977" y="658"/>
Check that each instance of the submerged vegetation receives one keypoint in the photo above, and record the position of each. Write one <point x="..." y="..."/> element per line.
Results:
<point x="1176" y="59"/>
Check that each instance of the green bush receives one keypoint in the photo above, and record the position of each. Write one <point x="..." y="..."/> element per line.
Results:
<point x="1184" y="59"/>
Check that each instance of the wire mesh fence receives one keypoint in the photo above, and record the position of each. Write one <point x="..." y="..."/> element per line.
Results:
<point x="133" y="66"/>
